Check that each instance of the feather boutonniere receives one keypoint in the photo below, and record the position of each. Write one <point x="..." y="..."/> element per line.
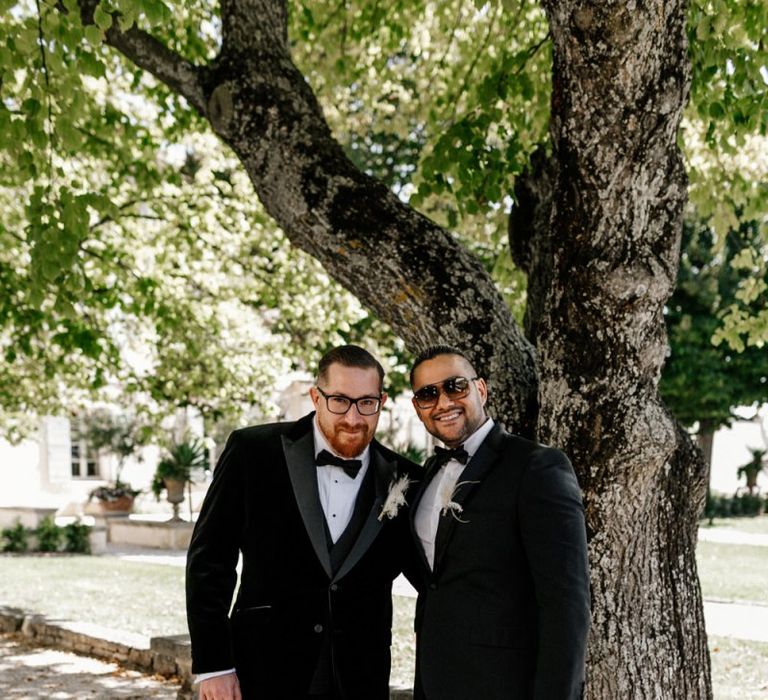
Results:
<point x="395" y="497"/>
<point x="448" y="505"/>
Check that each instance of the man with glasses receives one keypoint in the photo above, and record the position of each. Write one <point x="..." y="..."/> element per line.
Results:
<point x="311" y="507"/>
<point x="498" y="522"/>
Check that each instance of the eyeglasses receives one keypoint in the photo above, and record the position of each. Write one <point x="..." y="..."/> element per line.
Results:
<point x="453" y="387"/>
<point x="366" y="405"/>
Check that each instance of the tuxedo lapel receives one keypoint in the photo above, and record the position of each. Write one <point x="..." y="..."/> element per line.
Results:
<point x="469" y="481"/>
<point x="300" y="459"/>
<point x="384" y="472"/>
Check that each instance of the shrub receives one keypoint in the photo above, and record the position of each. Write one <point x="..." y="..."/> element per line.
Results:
<point x="76" y="538"/>
<point x="48" y="535"/>
<point x="740" y="504"/>
<point x="751" y="504"/>
<point x="16" y="538"/>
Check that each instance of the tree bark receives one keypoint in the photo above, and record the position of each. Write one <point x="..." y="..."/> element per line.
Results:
<point x="602" y="258"/>
<point x="620" y="82"/>
<point x="705" y="440"/>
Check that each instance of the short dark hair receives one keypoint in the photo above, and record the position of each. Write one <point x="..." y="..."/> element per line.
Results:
<point x="433" y="351"/>
<point x="349" y="356"/>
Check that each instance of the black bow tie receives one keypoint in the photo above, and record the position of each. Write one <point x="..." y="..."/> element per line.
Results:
<point x="443" y="456"/>
<point x="350" y="466"/>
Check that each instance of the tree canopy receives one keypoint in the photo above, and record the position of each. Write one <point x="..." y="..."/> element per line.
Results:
<point x="128" y="230"/>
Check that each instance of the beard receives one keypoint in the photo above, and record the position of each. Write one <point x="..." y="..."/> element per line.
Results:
<point x="347" y="441"/>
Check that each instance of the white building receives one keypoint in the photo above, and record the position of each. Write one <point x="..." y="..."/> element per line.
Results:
<point x="57" y="468"/>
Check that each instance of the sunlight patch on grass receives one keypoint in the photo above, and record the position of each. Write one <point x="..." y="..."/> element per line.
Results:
<point x="733" y="572"/>
<point x="135" y="597"/>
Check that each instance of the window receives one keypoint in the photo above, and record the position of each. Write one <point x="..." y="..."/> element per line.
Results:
<point x="85" y="462"/>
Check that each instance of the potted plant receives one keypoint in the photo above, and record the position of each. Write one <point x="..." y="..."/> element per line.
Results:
<point x="751" y="469"/>
<point x="174" y="471"/>
<point x="122" y="436"/>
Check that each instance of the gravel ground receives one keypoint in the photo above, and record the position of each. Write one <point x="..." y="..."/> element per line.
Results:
<point x="31" y="673"/>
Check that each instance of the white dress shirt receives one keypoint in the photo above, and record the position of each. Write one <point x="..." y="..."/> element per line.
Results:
<point x="440" y="491"/>
<point x="338" y="493"/>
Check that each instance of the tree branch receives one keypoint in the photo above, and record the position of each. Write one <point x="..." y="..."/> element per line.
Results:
<point x="413" y="274"/>
<point x="147" y="52"/>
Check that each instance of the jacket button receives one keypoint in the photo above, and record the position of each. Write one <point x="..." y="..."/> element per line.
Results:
<point x="334" y="587"/>
<point x="318" y="628"/>
<point x="433" y="586"/>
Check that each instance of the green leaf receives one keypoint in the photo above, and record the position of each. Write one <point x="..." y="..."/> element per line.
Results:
<point x="69" y="136"/>
<point x="25" y="41"/>
<point x="126" y="20"/>
<point x="31" y="106"/>
<point x="90" y="64"/>
<point x="156" y="11"/>
<point x="93" y="34"/>
<point x="103" y="19"/>
<point x="526" y="86"/>
<point x="50" y="267"/>
<point x="716" y="110"/>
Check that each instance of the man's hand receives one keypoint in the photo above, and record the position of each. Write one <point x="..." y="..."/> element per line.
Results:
<point x="221" y="688"/>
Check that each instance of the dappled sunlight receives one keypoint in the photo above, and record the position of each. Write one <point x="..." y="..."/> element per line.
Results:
<point x="28" y="672"/>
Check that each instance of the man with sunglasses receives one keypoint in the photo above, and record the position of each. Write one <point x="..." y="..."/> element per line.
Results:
<point x="498" y="524"/>
<point x="309" y="507"/>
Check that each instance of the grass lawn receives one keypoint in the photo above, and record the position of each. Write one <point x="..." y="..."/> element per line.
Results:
<point x="143" y="598"/>
<point x="733" y="571"/>
<point x="739" y="669"/>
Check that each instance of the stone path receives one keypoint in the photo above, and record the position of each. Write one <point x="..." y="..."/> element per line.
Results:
<point x="31" y="673"/>
<point x="726" y="535"/>
<point x="736" y="620"/>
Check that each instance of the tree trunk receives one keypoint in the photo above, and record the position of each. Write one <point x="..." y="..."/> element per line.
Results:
<point x="705" y="440"/>
<point x="602" y="258"/>
<point x="620" y="82"/>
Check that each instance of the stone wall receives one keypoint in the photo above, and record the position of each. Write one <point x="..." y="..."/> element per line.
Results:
<point x="29" y="517"/>
<point x="166" y="656"/>
<point x="148" y="533"/>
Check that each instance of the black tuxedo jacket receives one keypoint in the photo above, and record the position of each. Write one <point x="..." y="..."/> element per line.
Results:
<point x="506" y="611"/>
<point x="263" y="501"/>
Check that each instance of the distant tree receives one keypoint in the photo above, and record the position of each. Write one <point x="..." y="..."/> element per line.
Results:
<point x="704" y="379"/>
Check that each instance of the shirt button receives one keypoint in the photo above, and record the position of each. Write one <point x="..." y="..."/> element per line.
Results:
<point x="318" y="628"/>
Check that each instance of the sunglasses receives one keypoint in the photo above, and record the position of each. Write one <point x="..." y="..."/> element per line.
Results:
<point x="453" y="387"/>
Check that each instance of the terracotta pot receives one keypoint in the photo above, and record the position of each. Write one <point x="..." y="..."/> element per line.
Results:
<point x="122" y="504"/>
